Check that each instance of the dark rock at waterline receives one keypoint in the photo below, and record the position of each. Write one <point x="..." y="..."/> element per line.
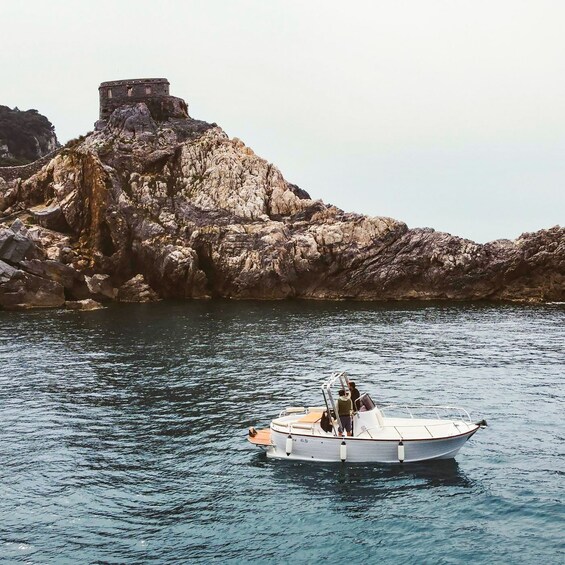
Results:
<point x="87" y="304"/>
<point x="137" y="290"/>
<point x="72" y="281"/>
<point x="34" y="270"/>
<point x="22" y="290"/>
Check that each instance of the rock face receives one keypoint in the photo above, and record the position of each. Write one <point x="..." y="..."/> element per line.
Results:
<point x="35" y="270"/>
<point x="148" y="208"/>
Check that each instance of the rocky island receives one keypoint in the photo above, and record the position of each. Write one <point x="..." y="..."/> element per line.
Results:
<point x="155" y="204"/>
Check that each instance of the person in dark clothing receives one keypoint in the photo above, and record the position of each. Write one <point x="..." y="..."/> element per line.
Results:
<point x="355" y="394"/>
<point x="326" y="422"/>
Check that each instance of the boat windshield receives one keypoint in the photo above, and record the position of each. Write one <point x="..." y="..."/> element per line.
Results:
<point x="365" y="402"/>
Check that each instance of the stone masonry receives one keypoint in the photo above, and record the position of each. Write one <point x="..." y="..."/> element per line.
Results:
<point x="154" y="92"/>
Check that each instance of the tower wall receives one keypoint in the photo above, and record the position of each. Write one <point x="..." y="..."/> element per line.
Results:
<point x="116" y="93"/>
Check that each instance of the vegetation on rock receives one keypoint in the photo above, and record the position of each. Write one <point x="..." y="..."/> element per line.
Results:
<point x="25" y="136"/>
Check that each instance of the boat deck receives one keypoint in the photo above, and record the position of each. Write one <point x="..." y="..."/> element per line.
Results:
<point x="263" y="437"/>
<point x="392" y="428"/>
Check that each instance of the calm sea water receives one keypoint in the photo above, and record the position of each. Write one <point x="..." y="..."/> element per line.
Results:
<point x="122" y="435"/>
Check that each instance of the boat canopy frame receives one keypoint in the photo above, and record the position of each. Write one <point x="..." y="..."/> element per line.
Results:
<point x="331" y="406"/>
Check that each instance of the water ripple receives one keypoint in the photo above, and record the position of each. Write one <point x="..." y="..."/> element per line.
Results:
<point x="123" y="434"/>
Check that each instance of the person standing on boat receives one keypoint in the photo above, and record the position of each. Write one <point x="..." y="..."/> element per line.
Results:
<point x="344" y="410"/>
<point x="355" y="394"/>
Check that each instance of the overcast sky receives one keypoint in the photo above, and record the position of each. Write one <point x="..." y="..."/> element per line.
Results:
<point x="442" y="113"/>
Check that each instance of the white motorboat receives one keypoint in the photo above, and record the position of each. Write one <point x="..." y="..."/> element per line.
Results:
<point x="381" y="434"/>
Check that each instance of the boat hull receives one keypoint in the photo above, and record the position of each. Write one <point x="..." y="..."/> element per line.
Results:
<point x="360" y="450"/>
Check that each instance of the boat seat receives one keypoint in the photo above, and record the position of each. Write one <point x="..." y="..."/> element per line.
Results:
<point x="305" y="423"/>
<point x="310" y="418"/>
<point x="295" y="409"/>
<point x="280" y="422"/>
<point x="301" y="426"/>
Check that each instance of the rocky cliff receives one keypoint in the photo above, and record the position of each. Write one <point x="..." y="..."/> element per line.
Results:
<point x="150" y="207"/>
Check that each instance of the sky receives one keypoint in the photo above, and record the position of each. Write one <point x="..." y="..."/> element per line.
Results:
<point x="447" y="114"/>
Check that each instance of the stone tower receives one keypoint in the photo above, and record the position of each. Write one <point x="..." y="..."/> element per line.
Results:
<point x="154" y="92"/>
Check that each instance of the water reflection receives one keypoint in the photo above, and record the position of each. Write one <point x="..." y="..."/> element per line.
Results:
<point x="363" y="483"/>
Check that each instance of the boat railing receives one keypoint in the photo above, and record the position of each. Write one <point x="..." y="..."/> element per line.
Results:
<point x="292" y="410"/>
<point x="424" y="410"/>
<point x="341" y="377"/>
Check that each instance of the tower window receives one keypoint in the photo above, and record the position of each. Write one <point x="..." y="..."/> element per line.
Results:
<point x="147" y="90"/>
<point x="130" y="90"/>
<point x="109" y="93"/>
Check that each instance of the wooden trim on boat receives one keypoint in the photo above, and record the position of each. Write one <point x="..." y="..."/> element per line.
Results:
<point x="310" y="418"/>
<point x="262" y="437"/>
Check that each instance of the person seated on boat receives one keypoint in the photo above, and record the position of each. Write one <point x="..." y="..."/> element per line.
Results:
<point x="326" y="422"/>
<point x="344" y="410"/>
<point x="355" y="394"/>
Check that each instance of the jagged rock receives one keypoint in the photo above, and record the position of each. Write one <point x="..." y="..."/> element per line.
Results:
<point x="50" y="216"/>
<point x="54" y="245"/>
<point x="101" y="285"/>
<point x="19" y="227"/>
<point x="23" y="290"/>
<point x="193" y="214"/>
<point x="15" y="246"/>
<point x="132" y="122"/>
<point x="27" y="247"/>
<point x="6" y="272"/>
<point x="86" y="304"/>
<point x="72" y="281"/>
<point x="8" y="194"/>
<point x="137" y="290"/>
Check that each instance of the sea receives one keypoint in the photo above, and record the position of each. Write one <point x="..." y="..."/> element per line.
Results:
<point x="123" y="434"/>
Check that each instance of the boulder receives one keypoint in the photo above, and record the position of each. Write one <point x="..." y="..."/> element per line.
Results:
<point x="72" y="281"/>
<point x="50" y="216"/>
<point x="101" y="285"/>
<point x="6" y="272"/>
<point x="8" y="193"/>
<point x="15" y="246"/>
<point x="23" y="290"/>
<point x="53" y="245"/>
<point x="137" y="290"/>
